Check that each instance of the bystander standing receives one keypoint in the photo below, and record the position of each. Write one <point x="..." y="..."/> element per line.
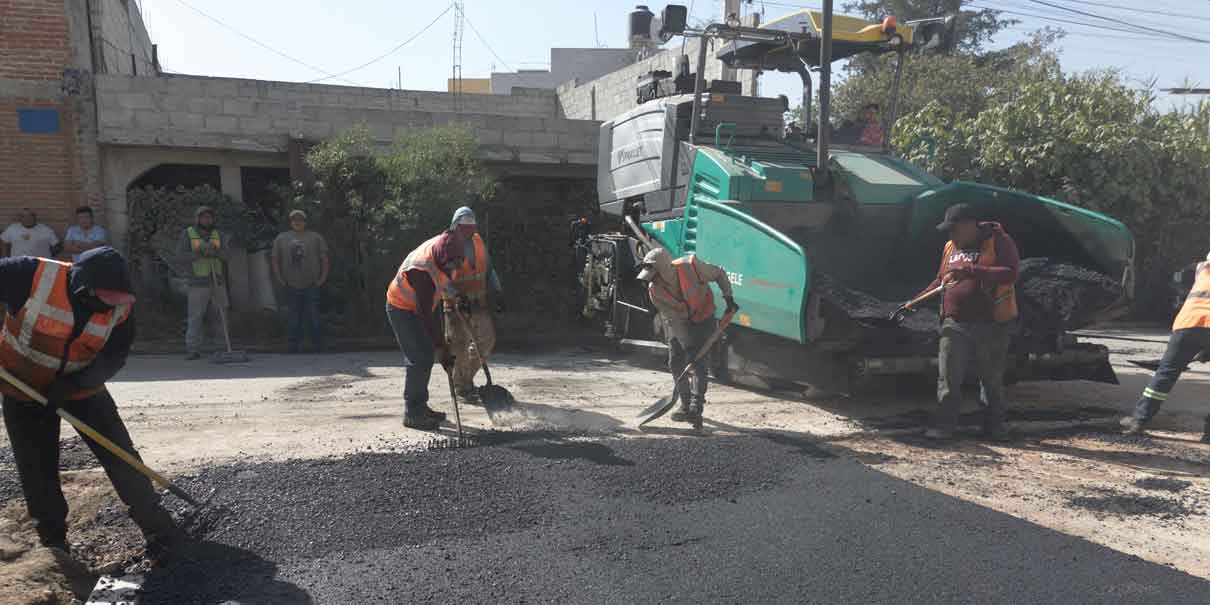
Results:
<point x="27" y="237"/>
<point x="85" y="235"/>
<point x="301" y="265"/>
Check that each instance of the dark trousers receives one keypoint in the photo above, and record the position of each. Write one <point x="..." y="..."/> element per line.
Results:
<point x="302" y="308"/>
<point x="983" y="345"/>
<point x="1183" y="346"/>
<point x="417" y="349"/>
<point x="34" y="434"/>
<point x="692" y="388"/>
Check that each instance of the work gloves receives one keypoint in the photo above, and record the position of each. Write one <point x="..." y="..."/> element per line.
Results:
<point x="464" y="305"/>
<point x="731" y="306"/>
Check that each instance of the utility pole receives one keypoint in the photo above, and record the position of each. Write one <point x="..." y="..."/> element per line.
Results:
<point x="731" y="14"/>
<point x="456" y="79"/>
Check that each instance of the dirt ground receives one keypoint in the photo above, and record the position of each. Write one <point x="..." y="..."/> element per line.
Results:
<point x="1066" y="468"/>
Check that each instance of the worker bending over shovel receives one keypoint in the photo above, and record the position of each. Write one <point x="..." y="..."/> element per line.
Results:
<point x="475" y="279"/>
<point x="422" y="282"/>
<point x="69" y="330"/>
<point x="1190" y="336"/>
<point x="680" y="291"/>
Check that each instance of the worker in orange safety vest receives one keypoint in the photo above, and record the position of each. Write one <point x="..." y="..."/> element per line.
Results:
<point x="68" y="331"/>
<point x="680" y="291"/>
<point x="1190" y="336"/>
<point x="421" y="284"/>
<point x="475" y="279"/>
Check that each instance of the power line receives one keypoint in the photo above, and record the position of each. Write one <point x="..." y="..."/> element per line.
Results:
<point x="1121" y="22"/>
<point x="489" y="46"/>
<point x="258" y="42"/>
<point x="389" y="52"/>
<point x="1139" y="10"/>
<point x="1057" y="19"/>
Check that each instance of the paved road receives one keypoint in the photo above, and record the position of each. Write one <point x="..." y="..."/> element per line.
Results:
<point x="764" y="517"/>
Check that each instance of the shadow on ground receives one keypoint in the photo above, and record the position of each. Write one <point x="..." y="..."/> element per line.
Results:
<point x="208" y="572"/>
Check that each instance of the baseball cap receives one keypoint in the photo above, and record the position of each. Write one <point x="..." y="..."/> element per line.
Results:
<point x="956" y="214"/>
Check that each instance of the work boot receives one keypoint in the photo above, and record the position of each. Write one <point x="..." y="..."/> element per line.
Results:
<point x="998" y="434"/>
<point x="421" y="423"/>
<point x="1131" y="426"/>
<point x="469" y="396"/>
<point x="695" y="413"/>
<point x="162" y="545"/>
<point x="431" y="413"/>
<point x="193" y="355"/>
<point x="683" y="413"/>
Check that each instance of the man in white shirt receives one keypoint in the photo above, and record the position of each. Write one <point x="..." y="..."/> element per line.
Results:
<point x="28" y="238"/>
<point x="85" y="235"/>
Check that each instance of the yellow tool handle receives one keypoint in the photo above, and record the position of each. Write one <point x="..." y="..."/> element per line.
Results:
<point x="113" y="448"/>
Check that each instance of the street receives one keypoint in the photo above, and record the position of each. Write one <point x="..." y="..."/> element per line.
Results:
<point x="780" y="499"/>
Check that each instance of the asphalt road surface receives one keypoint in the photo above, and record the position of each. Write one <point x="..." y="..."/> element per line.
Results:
<point x="760" y="517"/>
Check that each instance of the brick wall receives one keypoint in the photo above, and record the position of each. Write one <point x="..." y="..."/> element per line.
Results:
<point x="40" y="170"/>
<point x="34" y="39"/>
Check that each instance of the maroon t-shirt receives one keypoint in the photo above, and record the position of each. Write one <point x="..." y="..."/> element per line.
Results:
<point x="971" y="300"/>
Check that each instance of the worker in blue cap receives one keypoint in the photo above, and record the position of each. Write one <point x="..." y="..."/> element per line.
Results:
<point x="476" y="280"/>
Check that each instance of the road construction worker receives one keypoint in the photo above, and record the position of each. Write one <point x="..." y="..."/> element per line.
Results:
<point x="680" y="291"/>
<point x="202" y="247"/>
<point x="68" y="331"/>
<point x="422" y="282"/>
<point x="1190" y="336"/>
<point x="476" y="280"/>
<point x="978" y="310"/>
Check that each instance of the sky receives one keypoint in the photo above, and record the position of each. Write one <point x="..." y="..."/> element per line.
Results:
<point x="378" y="42"/>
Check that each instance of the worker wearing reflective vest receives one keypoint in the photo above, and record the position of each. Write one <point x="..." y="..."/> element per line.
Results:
<point x="68" y="331"/>
<point x="978" y="311"/>
<point x="476" y="280"/>
<point x="680" y="291"/>
<point x="1190" y="336"/>
<point x="421" y="283"/>
<point x="202" y="248"/>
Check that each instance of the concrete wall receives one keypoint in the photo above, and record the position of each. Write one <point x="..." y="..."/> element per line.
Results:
<point x="566" y="64"/>
<point x="612" y="94"/>
<point x="120" y="38"/>
<point x="250" y="115"/>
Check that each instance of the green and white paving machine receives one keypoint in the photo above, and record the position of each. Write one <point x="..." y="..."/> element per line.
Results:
<point x="819" y="252"/>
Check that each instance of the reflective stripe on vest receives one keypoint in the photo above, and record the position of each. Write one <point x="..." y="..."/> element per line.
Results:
<point x="1195" y="313"/>
<point x="471" y="281"/>
<point x="1003" y="296"/>
<point x="400" y="293"/>
<point x="203" y="266"/>
<point x="696" y="300"/>
<point x="34" y="344"/>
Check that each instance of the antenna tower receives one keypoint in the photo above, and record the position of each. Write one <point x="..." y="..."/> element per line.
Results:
<point x="456" y="79"/>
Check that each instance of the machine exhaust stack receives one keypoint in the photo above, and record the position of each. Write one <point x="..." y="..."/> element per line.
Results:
<point x="825" y="94"/>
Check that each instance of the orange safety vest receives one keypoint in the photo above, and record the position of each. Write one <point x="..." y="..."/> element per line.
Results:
<point x="1004" y="296"/>
<point x="698" y="301"/>
<point x="1195" y="313"/>
<point x="399" y="291"/>
<point x="471" y="282"/>
<point x="36" y="344"/>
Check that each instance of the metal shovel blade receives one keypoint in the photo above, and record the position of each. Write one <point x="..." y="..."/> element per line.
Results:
<point x="656" y="410"/>
<point x="495" y="397"/>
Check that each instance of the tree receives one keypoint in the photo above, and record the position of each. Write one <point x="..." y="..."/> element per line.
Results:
<point x="1090" y="140"/>
<point x="375" y="205"/>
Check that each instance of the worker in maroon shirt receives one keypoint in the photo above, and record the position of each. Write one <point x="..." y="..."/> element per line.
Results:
<point x="978" y="311"/>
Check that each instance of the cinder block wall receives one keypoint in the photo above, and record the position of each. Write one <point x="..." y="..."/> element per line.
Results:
<point x="612" y="94"/>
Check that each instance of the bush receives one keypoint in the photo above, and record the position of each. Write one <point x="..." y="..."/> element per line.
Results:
<point x="375" y="205"/>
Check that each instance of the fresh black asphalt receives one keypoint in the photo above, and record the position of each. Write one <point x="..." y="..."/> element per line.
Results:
<point x="760" y="518"/>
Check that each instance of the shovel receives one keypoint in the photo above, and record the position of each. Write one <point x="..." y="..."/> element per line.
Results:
<point x="898" y="316"/>
<point x="662" y="406"/>
<point x="229" y="356"/>
<point x="493" y="396"/>
<point x="104" y="441"/>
